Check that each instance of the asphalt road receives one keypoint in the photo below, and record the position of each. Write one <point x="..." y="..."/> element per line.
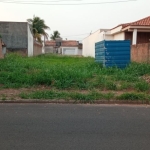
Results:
<point x="74" y="127"/>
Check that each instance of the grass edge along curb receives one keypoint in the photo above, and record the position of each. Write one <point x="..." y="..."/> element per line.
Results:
<point x="74" y="102"/>
<point x="131" y="97"/>
<point x="55" y="95"/>
<point x="91" y="97"/>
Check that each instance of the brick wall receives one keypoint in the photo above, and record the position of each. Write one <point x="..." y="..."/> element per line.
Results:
<point x="1" y="53"/>
<point x="140" y="53"/>
<point x="37" y="49"/>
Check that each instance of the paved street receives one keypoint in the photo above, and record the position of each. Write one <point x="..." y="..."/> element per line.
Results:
<point x="74" y="127"/>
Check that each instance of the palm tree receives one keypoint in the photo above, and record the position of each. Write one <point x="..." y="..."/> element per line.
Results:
<point x="55" y="35"/>
<point x="38" y="28"/>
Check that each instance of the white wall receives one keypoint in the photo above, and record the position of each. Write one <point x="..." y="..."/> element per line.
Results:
<point x="116" y="30"/>
<point x="89" y="42"/>
<point x="119" y="36"/>
<point x="109" y="37"/>
<point x="30" y="42"/>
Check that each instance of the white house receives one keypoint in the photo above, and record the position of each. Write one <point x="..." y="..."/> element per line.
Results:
<point x="137" y="32"/>
<point x="64" y="47"/>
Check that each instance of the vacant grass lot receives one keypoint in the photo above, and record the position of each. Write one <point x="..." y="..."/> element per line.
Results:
<point x="78" y="78"/>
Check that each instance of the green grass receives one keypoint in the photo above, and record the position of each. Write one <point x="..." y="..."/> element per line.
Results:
<point x="134" y="96"/>
<point x="56" y="95"/>
<point x="76" y="73"/>
<point x="142" y="86"/>
<point x="89" y="97"/>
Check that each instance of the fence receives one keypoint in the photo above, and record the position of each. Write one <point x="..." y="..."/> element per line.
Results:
<point x="140" y="53"/>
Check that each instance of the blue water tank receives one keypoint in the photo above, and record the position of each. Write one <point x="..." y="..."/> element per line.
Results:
<point x="113" y="53"/>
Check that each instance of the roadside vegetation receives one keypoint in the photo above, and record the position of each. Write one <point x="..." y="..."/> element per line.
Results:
<point x="73" y="78"/>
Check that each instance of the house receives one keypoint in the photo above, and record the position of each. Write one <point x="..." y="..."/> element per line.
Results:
<point x="137" y="32"/>
<point x="64" y="47"/>
<point x="18" y="38"/>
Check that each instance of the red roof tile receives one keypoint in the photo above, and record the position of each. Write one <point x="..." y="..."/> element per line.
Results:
<point x="63" y="43"/>
<point x="141" y="22"/>
<point x="69" y="43"/>
<point x="50" y="43"/>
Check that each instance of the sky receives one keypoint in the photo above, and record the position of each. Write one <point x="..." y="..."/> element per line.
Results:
<point x="75" y="22"/>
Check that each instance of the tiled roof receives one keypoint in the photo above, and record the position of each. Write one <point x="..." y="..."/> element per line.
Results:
<point x="69" y="43"/>
<point x="50" y="43"/>
<point x="141" y="22"/>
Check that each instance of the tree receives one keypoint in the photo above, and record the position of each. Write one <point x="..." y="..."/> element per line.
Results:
<point x="38" y="28"/>
<point x="55" y="35"/>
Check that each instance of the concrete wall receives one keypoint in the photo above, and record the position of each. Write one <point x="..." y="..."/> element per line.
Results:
<point x="140" y="53"/>
<point x="119" y="36"/>
<point x="18" y="37"/>
<point x="30" y="41"/>
<point x="37" y="49"/>
<point x="14" y="34"/>
<point x="80" y="52"/>
<point x="22" y="52"/>
<point x="49" y="49"/>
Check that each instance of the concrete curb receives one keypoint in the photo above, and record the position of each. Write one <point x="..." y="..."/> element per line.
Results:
<point x="77" y="102"/>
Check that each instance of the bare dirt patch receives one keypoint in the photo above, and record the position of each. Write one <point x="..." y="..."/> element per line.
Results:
<point x="146" y="78"/>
